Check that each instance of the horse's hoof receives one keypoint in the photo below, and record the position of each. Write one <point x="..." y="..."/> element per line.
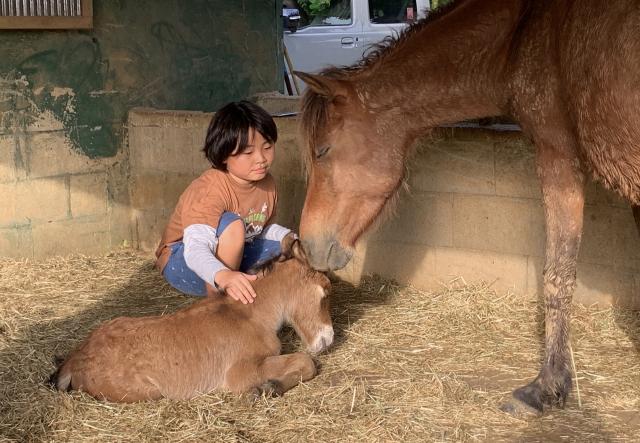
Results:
<point x="525" y="402"/>
<point x="519" y="409"/>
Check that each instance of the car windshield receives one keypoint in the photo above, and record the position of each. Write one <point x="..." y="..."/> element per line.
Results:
<point x="322" y="12"/>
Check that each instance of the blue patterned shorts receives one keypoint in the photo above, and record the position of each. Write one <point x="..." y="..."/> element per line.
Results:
<point x="181" y="277"/>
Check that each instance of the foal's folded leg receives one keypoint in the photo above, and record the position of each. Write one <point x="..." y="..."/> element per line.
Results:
<point x="273" y="376"/>
<point x="280" y="373"/>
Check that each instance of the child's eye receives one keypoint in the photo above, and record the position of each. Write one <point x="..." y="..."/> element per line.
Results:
<point x="248" y="152"/>
<point x="268" y="147"/>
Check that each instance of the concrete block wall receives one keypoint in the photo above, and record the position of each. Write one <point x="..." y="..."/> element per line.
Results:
<point x="473" y="212"/>
<point x="474" y="209"/>
<point x="55" y="200"/>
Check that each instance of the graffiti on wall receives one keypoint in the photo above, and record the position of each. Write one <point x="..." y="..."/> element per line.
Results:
<point x="163" y="54"/>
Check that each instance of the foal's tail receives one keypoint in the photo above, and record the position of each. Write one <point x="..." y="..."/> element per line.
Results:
<point x="61" y="378"/>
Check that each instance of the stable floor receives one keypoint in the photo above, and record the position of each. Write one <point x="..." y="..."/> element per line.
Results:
<point x="406" y="365"/>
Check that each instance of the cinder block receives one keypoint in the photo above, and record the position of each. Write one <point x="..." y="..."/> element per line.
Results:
<point x="610" y="237"/>
<point x="86" y="236"/>
<point x="452" y="166"/>
<point x="508" y="225"/>
<point x="199" y="162"/>
<point x="51" y="154"/>
<point x="516" y="170"/>
<point x="120" y="226"/>
<point x="16" y="242"/>
<point x="596" y="283"/>
<point x="504" y="271"/>
<point x="158" y="191"/>
<point x="7" y="159"/>
<point x="42" y="200"/>
<point x="148" y="228"/>
<point x="8" y="215"/>
<point x="291" y="194"/>
<point x="173" y="188"/>
<point x="160" y="149"/>
<point x="139" y="117"/>
<point x="88" y="194"/>
<point x="606" y="285"/>
<point x="275" y="103"/>
<point x="289" y="154"/>
<point x="597" y="194"/>
<point x="147" y="191"/>
<point x="421" y="218"/>
<point x="405" y="263"/>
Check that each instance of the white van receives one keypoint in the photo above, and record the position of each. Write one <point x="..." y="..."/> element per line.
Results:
<point x="340" y="34"/>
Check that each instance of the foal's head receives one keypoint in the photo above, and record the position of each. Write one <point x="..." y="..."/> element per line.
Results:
<point x="307" y="307"/>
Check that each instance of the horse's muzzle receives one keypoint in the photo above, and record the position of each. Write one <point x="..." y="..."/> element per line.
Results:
<point x="326" y="255"/>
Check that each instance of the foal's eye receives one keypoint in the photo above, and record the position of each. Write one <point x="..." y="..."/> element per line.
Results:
<point x="322" y="151"/>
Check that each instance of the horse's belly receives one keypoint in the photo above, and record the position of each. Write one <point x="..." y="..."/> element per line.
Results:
<point x="610" y="151"/>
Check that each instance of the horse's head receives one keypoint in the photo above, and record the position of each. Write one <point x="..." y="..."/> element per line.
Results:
<point x="308" y="307"/>
<point x="354" y="167"/>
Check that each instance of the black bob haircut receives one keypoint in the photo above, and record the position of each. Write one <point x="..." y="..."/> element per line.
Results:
<point x="228" y="132"/>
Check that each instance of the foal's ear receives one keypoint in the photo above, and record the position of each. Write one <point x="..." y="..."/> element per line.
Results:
<point x="298" y="253"/>
<point x="322" y="85"/>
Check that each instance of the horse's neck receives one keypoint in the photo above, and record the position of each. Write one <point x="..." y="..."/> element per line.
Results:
<point x="450" y="70"/>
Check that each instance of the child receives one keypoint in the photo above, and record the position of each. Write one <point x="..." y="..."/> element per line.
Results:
<point x="221" y="226"/>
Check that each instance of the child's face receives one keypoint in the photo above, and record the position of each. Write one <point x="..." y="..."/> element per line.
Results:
<point x="253" y="163"/>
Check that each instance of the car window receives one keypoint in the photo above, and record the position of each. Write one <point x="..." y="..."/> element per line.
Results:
<point x="392" y="11"/>
<point x="325" y="12"/>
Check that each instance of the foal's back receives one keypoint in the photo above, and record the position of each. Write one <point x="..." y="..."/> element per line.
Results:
<point x="193" y="348"/>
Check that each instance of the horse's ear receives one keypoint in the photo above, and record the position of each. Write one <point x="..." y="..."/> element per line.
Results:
<point x="322" y="85"/>
<point x="317" y="83"/>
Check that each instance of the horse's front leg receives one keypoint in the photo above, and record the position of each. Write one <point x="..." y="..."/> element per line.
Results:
<point x="563" y="197"/>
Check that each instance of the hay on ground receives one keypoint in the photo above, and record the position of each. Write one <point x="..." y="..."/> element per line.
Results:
<point x="407" y="365"/>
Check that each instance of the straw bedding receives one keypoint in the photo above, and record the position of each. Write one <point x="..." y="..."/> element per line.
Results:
<point x="406" y="366"/>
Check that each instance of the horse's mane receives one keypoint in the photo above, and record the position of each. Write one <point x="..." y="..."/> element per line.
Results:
<point x="314" y="110"/>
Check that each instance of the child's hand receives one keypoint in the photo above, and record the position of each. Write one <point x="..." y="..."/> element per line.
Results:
<point x="237" y="285"/>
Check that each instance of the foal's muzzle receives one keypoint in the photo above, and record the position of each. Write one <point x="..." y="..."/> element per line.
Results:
<point x="323" y="340"/>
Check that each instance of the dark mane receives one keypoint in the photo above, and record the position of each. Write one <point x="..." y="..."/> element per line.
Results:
<point x="314" y="110"/>
<point x="390" y="44"/>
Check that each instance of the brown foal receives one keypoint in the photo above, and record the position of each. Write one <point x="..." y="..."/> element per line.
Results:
<point x="216" y="343"/>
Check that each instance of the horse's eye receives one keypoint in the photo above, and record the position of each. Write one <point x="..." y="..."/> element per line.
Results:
<point x="322" y="151"/>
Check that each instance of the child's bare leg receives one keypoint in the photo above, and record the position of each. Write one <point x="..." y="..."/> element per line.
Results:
<point x="231" y="245"/>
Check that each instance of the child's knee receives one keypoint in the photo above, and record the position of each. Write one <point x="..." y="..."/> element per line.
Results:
<point x="233" y="234"/>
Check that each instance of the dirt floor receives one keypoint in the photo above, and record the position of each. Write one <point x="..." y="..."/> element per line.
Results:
<point x="406" y="366"/>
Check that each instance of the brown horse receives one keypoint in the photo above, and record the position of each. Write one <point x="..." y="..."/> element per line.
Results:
<point x="216" y="343"/>
<point x="567" y="71"/>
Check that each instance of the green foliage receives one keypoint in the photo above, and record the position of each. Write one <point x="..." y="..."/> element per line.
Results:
<point x="313" y="7"/>
<point x="435" y="4"/>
